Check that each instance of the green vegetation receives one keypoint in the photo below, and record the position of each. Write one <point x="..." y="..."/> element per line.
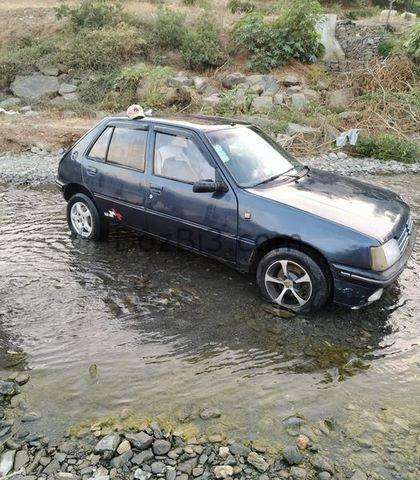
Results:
<point x="168" y="30"/>
<point x="292" y="35"/>
<point x="387" y="147"/>
<point x="201" y="47"/>
<point x="410" y="42"/>
<point x="241" y="6"/>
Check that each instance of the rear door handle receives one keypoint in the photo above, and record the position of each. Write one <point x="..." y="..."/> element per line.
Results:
<point x="91" y="170"/>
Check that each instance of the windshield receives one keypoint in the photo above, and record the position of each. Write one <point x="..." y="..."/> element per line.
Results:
<point x="251" y="156"/>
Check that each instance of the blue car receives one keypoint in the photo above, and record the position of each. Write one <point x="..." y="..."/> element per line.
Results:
<point x="226" y="190"/>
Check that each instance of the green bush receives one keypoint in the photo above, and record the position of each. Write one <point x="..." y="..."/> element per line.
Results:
<point x="91" y="14"/>
<point x="201" y="47"/>
<point x="168" y="30"/>
<point x="242" y="6"/>
<point x="101" y="49"/>
<point x="386" y="46"/>
<point x="410" y="42"/>
<point x="22" y="57"/>
<point x="292" y="35"/>
<point x="387" y="147"/>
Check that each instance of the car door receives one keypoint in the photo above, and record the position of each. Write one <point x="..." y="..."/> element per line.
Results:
<point x="206" y="222"/>
<point x="113" y="171"/>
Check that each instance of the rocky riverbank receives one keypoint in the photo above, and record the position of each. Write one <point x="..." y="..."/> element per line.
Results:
<point x="39" y="167"/>
<point x="128" y="448"/>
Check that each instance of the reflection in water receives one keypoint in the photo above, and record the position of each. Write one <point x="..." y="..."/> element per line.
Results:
<point x="166" y="328"/>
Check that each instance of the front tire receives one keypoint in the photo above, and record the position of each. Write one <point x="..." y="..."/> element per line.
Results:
<point x="83" y="218"/>
<point x="292" y="279"/>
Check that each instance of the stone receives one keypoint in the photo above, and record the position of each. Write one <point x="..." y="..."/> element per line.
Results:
<point x="302" y="442"/>
<point x="295" y="128"/>
<point x="298" y="473"/>
<point x="10" y="102"/>
<point x="66" y="476"/>
<point x="197" y="471"/>
<point x="108" y="443"/>
<point x="224" y="452"/>
<point x="311" y="94"/>
<point x="239" y="449"/>
<point x="34" y="87"/>
<point x="262" y="104"/>
<point x="52" y="467"/>
<point x="299" y="101"/>
<point x="22" y="377"/>
<point x="223" y="471"/>
<point x="142" y="457"/>
<point x="179" y="80"/>
<point x="212" y="100"/>
<point x="324" y="476"/>
<point x="358" y="475"/>
<point x="209" y="413"/>
<point x="201" y="84"/>
<point x="215" y="438"/>
<point x="161" y="447"/>
<point x="122" y="460"/>
<point x="49" y="70"/>
<point x="321" y="464"/>
<point x="408" y="17"/>
<point x="21" y="459"/>
<point x="8" y="388"/>
<point x="233" y="79"/>
<point x="70" y="97"/>
<point x="188" y="465"/>
<point x="140" y="441"/>
<point x="290" y="80"/>
<point x="257" y="461"/>
<point x="278" y="99"/>
<point x="349" y="115"/>
<point x="7" y="459"/>
<point x="283" y="139"/>
<point x="388" y="15"/>
<point x="30" y="417"/>
<point x="292" y="455"/>
<point x="158" y="468"/>
<point x="140" y="474"/>
<point x="171" y="473"/>
<point x="339" y="99"/>
<point x="67" y="88"/>
<point x="263" y="84"/>
<point x="124" y="447"/>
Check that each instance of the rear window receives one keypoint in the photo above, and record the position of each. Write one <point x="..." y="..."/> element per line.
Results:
<point x="128" y="148"/>
<point x="98" y="151"/>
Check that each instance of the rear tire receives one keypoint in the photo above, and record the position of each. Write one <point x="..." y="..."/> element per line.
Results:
<point x="292" y="279"/>
<point x="83" y="218"/>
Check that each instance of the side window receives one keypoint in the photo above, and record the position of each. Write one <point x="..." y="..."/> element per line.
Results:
<point x="98" y="150"/>
<point x="128" y="148"/>
<point x="179" y="158"/>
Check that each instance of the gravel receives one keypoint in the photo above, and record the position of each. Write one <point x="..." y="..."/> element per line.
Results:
<point x="41" y="168"/>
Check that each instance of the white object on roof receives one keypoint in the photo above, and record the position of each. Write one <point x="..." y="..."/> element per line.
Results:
<point x="135" y="111"/>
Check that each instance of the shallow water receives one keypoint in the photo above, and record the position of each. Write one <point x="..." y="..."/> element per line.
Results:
<point x="168" y="329"/>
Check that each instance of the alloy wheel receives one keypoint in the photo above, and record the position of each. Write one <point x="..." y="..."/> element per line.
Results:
<point x="288" y="284"/>
<point x="81" y="219"/>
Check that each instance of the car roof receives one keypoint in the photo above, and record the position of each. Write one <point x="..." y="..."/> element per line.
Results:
<point x="203" y="123"/>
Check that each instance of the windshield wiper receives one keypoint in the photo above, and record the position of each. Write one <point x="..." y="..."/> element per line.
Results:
<point x="285" y="174"/>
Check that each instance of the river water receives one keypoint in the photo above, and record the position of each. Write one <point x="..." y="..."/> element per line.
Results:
<point x="132" y="324"/>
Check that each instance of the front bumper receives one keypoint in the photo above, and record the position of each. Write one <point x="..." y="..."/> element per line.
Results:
<point x="354" y="287"/>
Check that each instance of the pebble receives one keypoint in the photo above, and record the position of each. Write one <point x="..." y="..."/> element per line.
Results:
<point x="298" y="473"/>
<point x="257" y="461"/>
<point x="108" y="443"/>
<point x="223" y="471"/>
<point x="302" y="442"/>
<point x="161" y="447"/>
<point x="292" y="455"/>
<point x="140" y="474"/>
<point x="210" y="413"/>
<point x="124" y="447"/>
<point x="141" y="440"/>
<point x="7" y="459"/>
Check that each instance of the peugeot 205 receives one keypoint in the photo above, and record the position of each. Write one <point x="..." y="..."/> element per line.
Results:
<point x="225" y="189"/>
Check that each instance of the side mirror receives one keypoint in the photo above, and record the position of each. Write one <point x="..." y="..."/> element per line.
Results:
<point x="209" y="186"/>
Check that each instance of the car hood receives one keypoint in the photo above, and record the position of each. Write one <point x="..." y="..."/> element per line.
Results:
<point x="370" y="210"/>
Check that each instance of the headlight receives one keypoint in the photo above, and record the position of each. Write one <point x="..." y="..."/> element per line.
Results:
<point x="384" y="256"/>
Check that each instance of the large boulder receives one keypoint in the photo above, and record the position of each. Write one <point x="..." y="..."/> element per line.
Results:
<point x="34" y="87"/>
<point x="233" y="79"/>
<point x="262" y="104"/>
<point x="263" y="84"/>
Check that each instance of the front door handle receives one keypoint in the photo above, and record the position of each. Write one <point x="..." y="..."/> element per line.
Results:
<point x="92" y="170"/>
<point x="155" y="189"/>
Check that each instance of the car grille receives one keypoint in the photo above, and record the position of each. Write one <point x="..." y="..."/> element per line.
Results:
<point x="404" y="237"/>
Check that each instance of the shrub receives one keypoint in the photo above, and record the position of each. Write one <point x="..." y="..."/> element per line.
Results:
<point x="94" y="90"/>
<point x="292" y="35"/>
<point x="243" y="6"/>
<point x="410" y="42"/>
<point x="101" y="49"/>
<point x="386" y="46"/>
<point x="201" y="47"/>
<point x="168" y="30"/>
<point x="22" y="57"/>
<point x="91" y="14"/>
<point x="387" y="147"/>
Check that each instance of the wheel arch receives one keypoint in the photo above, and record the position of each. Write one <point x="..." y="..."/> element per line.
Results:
<point x="284" y="241"/>
<point x="72" y="188"/>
